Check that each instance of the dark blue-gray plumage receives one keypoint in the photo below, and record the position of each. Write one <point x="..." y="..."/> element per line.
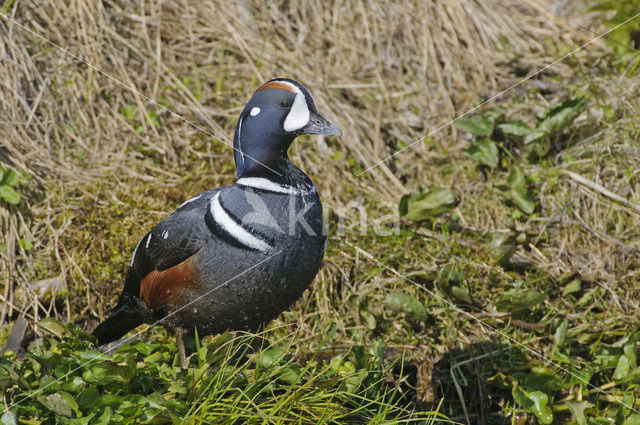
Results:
<point x="233" y="258"/>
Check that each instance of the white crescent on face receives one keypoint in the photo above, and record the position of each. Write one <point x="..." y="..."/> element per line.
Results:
<point x="299" y="114"/>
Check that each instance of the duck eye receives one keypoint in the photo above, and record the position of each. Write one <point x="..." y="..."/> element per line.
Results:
<point x="284" y="104"/>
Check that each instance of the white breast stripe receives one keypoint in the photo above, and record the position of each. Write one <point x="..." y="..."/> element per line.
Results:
<point x="298" y="116"/>
<point x="190" y="200"/>
<point x="222" y="219"/>
<point x="266" y="184"/>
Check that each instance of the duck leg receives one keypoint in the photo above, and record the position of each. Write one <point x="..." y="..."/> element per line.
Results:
<point x="259" y="342"/>
<point x="182" y="353"/>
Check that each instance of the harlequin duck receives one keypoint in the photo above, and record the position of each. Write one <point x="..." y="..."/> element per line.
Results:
<point x="235" y="257"/>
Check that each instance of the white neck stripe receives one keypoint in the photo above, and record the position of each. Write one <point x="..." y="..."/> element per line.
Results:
<point x="266" y="184"/>
<point x="224" y="220"/>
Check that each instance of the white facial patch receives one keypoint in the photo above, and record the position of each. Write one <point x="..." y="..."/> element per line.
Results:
<point x="254" y="111"/>
<point x="298" y="116"/>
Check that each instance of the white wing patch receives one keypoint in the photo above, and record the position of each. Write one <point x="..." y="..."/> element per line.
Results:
<point x="266" y="184"/>
<point x="222" y="218"/>
<point x="254" y="111"/>
<point x="135" y="251"/>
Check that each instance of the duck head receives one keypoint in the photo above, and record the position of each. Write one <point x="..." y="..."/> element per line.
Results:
<point x="276" y="114"/>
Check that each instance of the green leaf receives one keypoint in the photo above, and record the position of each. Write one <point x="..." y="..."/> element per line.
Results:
<point x="270" y="358"/>
<point x="516" y="190"/>
<point x="369" y="319"/>
<point x="517" y="178"/>
<point x="628" y="361"/>
<point x="107" y="374"/>
<point x="8" y="177"/>
<point x="71" y="402"/>
<point x="575" y="285"/>
<point x="622" y="368"/>
<point x="560" y="113"/>
<point x="518" y="299"/>
<point x="12" y="178"/>
<point x="290" y="374"/>
<point x="104" y="419"/>
<point x="501" y="247"/>
<point x="552" y="121"/>
<point x="633" y="419"/>
<point x="78" y="421"/>
<point x="515" y="129"/>
<point x="630" y="350"/>
<point x="177" y="387"/>
<point x="27" y="244"/>
<point x="560" y="334"/>
<point x="88" y="397"/>
<point x="524" y="203"/>
<point x="480" y="124"/>
<point x="9" y="195"/>
<point x="537" y="144"/>
<point x="53" y="326"/>
<point x="503" y="381"/>
<point x="452" y="283"/>
<point x="535" y="402"/>
<point x="427" y="205"/>
<point x="353" y="381"/>
<point x="8" y="418"/>
<point x="57" y="404"/>
<point x="577" y="409"/>
<point x="483" y="151"/>
<point x="129" y="112"/>
<point x="461" y="294"/>
<point x="539" y="378"/>
<point x="401" y="302"/>
<point x="153" y="118"/>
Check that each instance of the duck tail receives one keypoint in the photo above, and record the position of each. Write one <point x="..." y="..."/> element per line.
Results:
<point x="129" y="313"/>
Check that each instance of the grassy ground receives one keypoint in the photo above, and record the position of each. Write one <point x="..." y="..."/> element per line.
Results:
<point x="516" y="304"/>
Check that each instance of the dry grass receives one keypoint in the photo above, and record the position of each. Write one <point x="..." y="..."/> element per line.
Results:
<point x="387" y="72"/>
<point x="384" y="72"/>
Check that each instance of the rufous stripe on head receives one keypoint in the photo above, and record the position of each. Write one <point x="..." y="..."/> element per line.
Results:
<point x="277" y="85"/>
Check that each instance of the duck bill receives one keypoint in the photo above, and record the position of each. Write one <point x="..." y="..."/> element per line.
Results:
<point x="319" y="125"/>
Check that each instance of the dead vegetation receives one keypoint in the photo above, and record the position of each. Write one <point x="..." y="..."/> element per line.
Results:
<point x="139" y="120"/>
